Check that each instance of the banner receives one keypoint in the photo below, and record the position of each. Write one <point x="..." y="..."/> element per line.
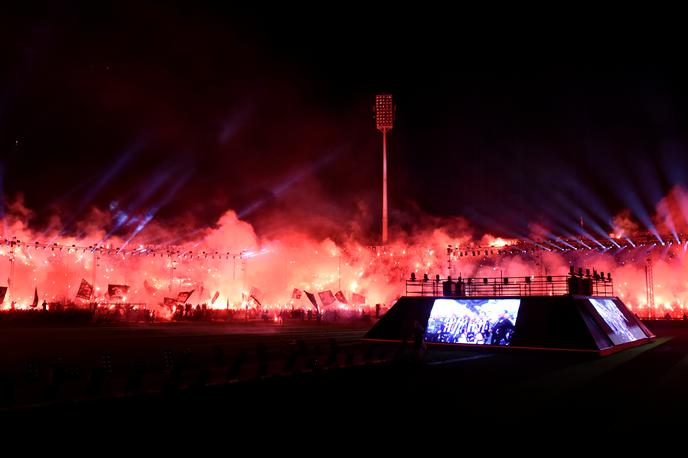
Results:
<point x="340" y="297"/>
<point x="311" y="297"/>
<point x="357" y="299"/>
<point x="117" y="291"/>
<point x="326" y="297"/>
<point x="296" y="294"/>
<point x="184" y="296"/>
<point x="215" y="296"/>
<point x="3" y="291"/>
<point x="85" y="290"/>
<point x="257" y="295"/>
<point x="169" y="302"/>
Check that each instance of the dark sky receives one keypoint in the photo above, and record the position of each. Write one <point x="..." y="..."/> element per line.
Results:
<point x="167" y="111"/>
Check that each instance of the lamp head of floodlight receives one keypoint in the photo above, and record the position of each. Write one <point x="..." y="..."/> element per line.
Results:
<point x="384" y="112"/>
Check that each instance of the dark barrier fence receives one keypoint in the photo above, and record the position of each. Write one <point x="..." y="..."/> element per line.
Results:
<point x="19" y="317"/>
<point x="62" y="380"/>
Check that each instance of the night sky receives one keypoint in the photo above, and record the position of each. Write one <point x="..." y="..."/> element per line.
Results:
<point x="174" y="111"/>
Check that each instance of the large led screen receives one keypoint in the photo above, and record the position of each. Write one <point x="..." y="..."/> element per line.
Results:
<point x="472" y="321"/>
<point x="622" y="330"/>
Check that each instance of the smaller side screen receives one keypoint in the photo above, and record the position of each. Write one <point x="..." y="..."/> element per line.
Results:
<point x="621" y="329"/>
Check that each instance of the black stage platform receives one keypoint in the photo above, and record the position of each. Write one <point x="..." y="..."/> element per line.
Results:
<point x="598" y="324"/>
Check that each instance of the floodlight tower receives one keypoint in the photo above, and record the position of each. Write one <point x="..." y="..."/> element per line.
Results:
<point x="384" y="117"/>
<point x="649" y="287"/>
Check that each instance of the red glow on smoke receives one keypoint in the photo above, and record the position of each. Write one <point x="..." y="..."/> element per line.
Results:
<point x="231" y="259"/>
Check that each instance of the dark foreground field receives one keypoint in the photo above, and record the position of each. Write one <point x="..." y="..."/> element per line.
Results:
<point x="313" y="376"/>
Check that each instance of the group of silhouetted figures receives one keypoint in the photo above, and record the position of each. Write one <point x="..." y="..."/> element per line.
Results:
<point x="44" y="306"/>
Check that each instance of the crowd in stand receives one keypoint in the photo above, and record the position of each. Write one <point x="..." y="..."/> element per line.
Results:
<point x="133" y="313"/>
<point x="201" y="312"/>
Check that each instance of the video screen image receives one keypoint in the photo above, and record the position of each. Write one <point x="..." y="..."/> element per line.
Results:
<point x="622" y="330"/>
<point x="472" y="321"/>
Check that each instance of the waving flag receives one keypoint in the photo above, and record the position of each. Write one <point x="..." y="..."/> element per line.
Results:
<point x="257" y="295"/>
<point x="3" y="291"/>
<point x="311" y="297"/>
<point x="117" y="291"/>
<point x="215" y="296"/>
<point x="85" y="290"/>
<point x="326" y="297"/>
<point x="169" y="302"/>
<point x="357" y="299"/>
<point x="340" y="297"/>
<point x="34" y="304"/>
<point x="149" y="288"/>
<point x="184" y="296"/>
<point x="296" y="294"/>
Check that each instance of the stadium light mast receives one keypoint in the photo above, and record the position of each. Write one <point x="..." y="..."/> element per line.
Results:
<point x="649" y="287"/>
<point x="384" y="117"/>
